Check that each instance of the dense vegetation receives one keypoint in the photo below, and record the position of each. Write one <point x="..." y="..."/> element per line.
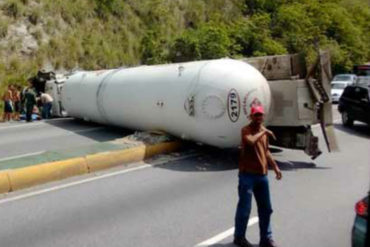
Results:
<point x="95" y="34"/>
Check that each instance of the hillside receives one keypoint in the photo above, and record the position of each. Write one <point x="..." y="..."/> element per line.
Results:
<point x="96" y="34"/>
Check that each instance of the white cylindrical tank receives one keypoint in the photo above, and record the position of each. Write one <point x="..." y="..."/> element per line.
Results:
<point x="203" y="101"/>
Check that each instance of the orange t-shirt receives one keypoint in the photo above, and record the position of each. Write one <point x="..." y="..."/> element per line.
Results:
<point x="253" y="159"/>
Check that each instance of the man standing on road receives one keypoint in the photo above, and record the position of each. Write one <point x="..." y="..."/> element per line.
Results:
<point x="47" y="103"/>
<point x="8" y="103"/>
<point x="253" y="165"/>
<point x="30" y="100"/>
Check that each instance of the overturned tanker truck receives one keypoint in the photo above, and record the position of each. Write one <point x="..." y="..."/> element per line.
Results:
<point x="205" y="101"/>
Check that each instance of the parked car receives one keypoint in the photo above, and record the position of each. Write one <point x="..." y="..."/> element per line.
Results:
<point x="360" y="224"/>
<point x="337" y="88"/>
<point x="354" y="104"/>
<point x="349" y="78"/>
<point x="338" y="84"/>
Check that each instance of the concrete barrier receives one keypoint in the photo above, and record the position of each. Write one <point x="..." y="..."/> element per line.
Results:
<point x="4" y="182"/>
<point x="16" y="179"/>
<point x="37" y="174"/>
<point x="96" y="162"/>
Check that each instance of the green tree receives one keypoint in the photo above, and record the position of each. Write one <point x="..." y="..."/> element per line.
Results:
<point x="214" y="41"/>
<point x="154" y="48"/>
<point x="252" y="37"/>
<point x="105" y="8"/>
<point x="185" y="48"/>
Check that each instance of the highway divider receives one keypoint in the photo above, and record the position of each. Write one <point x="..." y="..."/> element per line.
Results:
<point x="20" y="178"/>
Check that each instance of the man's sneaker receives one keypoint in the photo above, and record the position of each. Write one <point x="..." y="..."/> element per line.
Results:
<point x="242" y="242"/>
<point x="268" y="243"/>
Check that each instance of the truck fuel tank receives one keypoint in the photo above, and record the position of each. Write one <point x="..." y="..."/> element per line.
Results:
<point x="202" y="101"/>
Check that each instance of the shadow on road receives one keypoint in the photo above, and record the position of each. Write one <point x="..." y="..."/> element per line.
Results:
<point x="208" y="159"/>
<point x="360" y="129"/>
<point x="211" y="159"/>
<point x="94" y="131"/>
<point x="229" y="245"/>
<point x="294" y="165"/>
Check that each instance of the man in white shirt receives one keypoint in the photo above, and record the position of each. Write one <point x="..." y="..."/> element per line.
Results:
<point x="46" y="101"/>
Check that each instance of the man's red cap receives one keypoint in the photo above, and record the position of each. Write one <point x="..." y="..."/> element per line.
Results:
<point x="257" y="109"/>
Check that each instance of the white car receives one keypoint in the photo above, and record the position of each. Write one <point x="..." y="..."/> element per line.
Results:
<point x="339" y="83"/>
<point x="350" y="78"/>
<point x="337" y="89"/>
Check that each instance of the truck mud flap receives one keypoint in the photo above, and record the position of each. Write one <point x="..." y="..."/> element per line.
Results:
<point x="300" y="137"/>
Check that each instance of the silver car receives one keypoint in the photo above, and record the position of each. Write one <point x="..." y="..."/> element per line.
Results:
<point x="339" y="83"/>
<point x="349" y="78"/>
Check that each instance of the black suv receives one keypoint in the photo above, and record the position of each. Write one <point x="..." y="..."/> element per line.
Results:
<point x="354" y="104"/>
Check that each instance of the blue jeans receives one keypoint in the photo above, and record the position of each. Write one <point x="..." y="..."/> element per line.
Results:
<point x="46" y="110"/>
<point x="259" y="186"/>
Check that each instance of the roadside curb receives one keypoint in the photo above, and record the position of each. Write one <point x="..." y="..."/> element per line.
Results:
<point x="20" y="178"/>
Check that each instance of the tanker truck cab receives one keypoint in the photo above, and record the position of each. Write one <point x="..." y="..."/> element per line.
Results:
<point x="52" y="84"/>
<point x="54" y="88"/>
<point x="300" y="99"/>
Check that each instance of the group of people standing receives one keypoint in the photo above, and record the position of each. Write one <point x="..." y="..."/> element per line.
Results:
<point x="12" y="102"/>
<point x="18" y="101"/>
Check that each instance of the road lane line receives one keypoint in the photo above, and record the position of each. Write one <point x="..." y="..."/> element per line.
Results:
<point x="34" y="123"/>
<point x="21" y="125"/>
<point x="98" y="177"/>
<point x="69" y="131"/>
<point x="21" y="156"/>
<point x="71" y="184"/>
<point x="224" y="234"/>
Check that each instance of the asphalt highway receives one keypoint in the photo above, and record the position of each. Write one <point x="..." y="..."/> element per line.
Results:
<point x="19" y="139"/>
<point x="184" y="201"/>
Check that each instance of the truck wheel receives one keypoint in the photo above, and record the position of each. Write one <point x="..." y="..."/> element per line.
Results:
<point x="346" y="120"/>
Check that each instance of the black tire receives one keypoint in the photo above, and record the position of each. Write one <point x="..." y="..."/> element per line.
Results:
<point x="346" y="119"/>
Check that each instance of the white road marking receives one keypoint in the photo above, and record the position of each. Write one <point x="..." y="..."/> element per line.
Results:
<point x="40" y="152"/>
<point x="63" y="186"/>
<point x="34" y="123"/>
<point x="224" y="234"/>
<point x="98" y="176"/>
<point x="41" y="123"/>
<point x="21" y="125"/>
<point x="21" y="156"/>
